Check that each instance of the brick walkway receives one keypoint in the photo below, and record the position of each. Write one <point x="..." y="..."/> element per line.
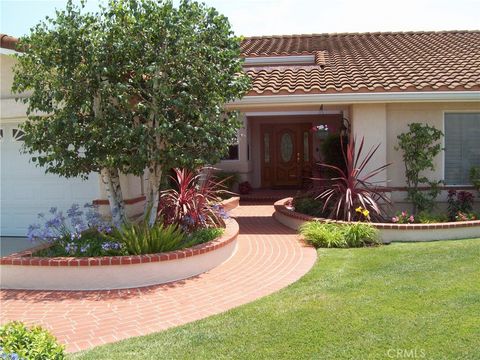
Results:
<point x="268" y="258"/>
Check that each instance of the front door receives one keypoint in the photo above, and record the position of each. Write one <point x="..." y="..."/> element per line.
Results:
<point x="286" y="157"/>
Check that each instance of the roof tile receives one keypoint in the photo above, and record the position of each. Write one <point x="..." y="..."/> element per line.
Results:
<point x="410" y="61"/>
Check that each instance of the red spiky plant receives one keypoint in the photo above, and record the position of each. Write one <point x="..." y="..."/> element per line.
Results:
<point x="351" y="188"/>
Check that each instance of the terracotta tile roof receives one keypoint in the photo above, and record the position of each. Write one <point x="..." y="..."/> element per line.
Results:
<point x="365" y="62"/>
<point x="8" y="42"/>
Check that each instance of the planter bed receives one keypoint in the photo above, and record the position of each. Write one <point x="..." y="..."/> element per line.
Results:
<point x="24" y="271"/>
<point x="391" y="232"/>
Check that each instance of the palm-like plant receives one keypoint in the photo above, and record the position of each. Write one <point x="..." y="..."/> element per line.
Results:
<point x="352" y="189"/>
<point x="193" y="202"/>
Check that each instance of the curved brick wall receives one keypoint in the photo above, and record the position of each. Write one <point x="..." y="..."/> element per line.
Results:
<point x="391" y="232"/>
<point x="24" y="271"/>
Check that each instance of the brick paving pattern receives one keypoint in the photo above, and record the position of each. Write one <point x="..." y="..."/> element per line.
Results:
<point x="269" y="257"/>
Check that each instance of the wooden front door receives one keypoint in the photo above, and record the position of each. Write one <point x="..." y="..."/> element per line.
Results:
<point x="286" y="154"/>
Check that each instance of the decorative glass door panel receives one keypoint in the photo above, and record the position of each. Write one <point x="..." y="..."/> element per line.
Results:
<point x="286" y="154"/>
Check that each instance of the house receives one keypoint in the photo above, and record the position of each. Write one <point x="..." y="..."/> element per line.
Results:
<point x="373" y="83"/>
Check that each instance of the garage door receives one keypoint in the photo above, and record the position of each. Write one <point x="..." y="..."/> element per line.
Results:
<point x="26" y="190"/>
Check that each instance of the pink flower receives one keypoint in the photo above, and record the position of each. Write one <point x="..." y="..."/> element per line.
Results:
<point x="404" y="214"/>
<point x="411" y="219"/>
<point x="395" y="219"/>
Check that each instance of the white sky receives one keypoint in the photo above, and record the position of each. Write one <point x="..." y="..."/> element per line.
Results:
<point x="266" y="17"/>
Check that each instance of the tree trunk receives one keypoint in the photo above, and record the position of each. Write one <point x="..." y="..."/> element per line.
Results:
<point x="153" y="193"/>
<point x="154" y="170"/>
<point x="111" y="181"/>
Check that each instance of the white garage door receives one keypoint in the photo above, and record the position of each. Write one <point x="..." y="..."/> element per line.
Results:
<point x="26" y="190"/>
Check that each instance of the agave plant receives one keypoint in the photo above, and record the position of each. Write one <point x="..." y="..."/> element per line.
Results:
<point x="351" y="188"/>
<point x="193" y="202"/>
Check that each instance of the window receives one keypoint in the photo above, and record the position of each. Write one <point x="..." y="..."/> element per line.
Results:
<point x="232" y="153"/>
<point x="462" y="146"/>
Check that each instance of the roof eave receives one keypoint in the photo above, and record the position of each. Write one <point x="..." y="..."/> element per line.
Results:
<point x="356" y="98"/>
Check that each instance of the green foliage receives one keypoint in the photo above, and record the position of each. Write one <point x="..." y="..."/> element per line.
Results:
<point x="111" y="100"/>
<point x="32" y="343"/>
<point x="429" y="218"/>
<point x="331" y="149"/>
<point x="90" y="243"/>
<point x="420" y="145"/>
<point x="326" y="234"/>
<point x="204" y="235"/>
<point x="360" y="234"/>
<point x="475" y="177"/>
<point x="141" y="238"/>
<point x="321" y="234"/>
<point x="460" y="204"/>
<point x="308" y="205"/>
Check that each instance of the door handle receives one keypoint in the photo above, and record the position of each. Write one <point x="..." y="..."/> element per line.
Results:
<point x="298" y="157"/>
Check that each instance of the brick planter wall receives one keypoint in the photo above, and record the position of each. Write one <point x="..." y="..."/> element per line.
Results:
<point x="390" y="232"/>
<point x="24" y="271"/>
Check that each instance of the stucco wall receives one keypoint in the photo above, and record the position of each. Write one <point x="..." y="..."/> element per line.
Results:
<point x="369" y="122"/>
<point x="7" y="62"/>
<point x="398" y="118"/>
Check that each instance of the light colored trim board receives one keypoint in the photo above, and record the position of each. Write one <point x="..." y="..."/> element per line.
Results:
<point x="352" y="98"/>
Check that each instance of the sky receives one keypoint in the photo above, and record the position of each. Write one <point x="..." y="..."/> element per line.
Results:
<point x="276" y="17"/>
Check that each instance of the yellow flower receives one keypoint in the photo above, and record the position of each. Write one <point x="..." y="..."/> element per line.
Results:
<point x="365" y="213"/>
<point x="359" y="209"/>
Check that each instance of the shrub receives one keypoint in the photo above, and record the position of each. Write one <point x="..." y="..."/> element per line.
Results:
<point x="466" y="216"/>
<point x="331" y="149"/>
<point x="308" y="205"/>
<point x="420" y="145"/>
<point x="428" y="218"/>
<point x="193" y="202"/>
<point x="141" y="238"/>
<point x="475" y="177"/>
<point x="81" y="233"/>
<point x="204" y="235"/>
<point x="461" y="201"/>
<point x="352" y="189"/>
<point x="360" y="234"/>
<point x="329" y="235"/>
<point x="19" y="342"/>
<point x="321" y="234"/>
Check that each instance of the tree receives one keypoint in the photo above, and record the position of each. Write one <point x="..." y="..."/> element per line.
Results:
<point x="420" y="145"/>
<point x="78" y="118"/>
<point x="139" y="85"/>
<point x="184" y="66"/>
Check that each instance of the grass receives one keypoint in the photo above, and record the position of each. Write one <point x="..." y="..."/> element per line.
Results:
<point x="354" y="304"/>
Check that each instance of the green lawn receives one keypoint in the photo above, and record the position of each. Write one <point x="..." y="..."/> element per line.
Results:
<point x="367" y="303"/>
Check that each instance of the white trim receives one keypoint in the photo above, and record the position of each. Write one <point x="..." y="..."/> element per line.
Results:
<point x="280" y="60"/>
<point x="372" y="97"/>
<point x="280" y="113"/>
<point x="5" y="51"/>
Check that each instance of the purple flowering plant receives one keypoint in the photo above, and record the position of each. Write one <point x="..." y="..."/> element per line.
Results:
<point x="82" y="232"/>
